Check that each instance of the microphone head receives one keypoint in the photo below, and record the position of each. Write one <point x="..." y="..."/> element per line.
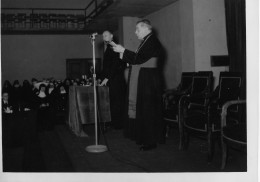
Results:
<point x="93" y="35"/>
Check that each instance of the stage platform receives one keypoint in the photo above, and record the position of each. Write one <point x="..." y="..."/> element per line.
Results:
<point x="60" y="150"/>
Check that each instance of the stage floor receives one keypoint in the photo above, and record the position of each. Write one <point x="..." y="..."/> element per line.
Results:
<point x="124" y="155"/>
<point x="59" y="150"/>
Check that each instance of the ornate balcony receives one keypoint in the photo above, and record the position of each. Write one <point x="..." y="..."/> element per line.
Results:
<point x="51" y="20"/>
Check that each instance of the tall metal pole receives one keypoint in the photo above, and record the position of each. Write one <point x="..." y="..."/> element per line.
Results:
<point x="95" y="148"/>
<point x="95" y="90"/>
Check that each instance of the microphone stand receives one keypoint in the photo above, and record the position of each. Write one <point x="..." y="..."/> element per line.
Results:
<point x="95" y="148"/>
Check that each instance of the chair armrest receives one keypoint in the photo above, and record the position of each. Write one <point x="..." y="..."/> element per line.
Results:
<point x="195" y="97"/>
<point x="169" y="92"/>
<point x="224" y="110"/>
<point x="175" y="91"/>
<point x="199" y="96"/>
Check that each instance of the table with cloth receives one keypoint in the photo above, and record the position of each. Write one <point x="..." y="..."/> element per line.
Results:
<point x="81" y="107"/>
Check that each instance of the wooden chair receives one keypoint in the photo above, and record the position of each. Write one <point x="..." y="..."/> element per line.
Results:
<point x="204" y="119"/>
<point x="233" y="132"/>
<point x="195" y="102"/>
<point x="171" y="100"/>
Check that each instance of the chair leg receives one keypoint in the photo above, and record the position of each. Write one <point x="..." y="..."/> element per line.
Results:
<point x="181" y="141"/>
<point x="181" y="131"/>
<point x="210" y="147"/>
<point x="167" y="131"/>
<point x="181" y="137"/>
<point x="224" y="155"/>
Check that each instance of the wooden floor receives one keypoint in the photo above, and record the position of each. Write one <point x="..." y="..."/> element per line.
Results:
<point x="59" y="150"/>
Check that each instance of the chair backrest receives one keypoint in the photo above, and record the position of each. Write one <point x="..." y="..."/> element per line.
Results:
<point x="186" y="80"/>
<point x="202" y="82"/>
<point x="229" y="87"/>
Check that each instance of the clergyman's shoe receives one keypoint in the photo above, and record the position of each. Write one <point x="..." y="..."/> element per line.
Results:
<point x="148" y="147"/>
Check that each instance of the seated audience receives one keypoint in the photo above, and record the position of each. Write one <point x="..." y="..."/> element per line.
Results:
<point x="7" y="120"/>
<point x="67" y="84"/>
<point x="27" y="93"/>
<point x="75" y="83"/>
<point x="77" y="80"/>
<point x="7" y="86"/>
<point x="51" y="89"/>
<point x="83" y="82"/>
<point x="33" y="85"/>
<point x="51" y="92"/>
<point x="16" y="95"/>
<point x="61" y="101"/>
<point x="7" y="107"/>
<point x="61" y="98"/>
<point x="43" y="119"/>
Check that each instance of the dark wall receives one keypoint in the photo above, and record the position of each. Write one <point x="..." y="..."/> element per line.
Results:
<point x="42" y="56"/>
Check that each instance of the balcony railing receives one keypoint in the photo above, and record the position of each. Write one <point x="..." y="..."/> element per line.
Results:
<point x="51" y="20"/>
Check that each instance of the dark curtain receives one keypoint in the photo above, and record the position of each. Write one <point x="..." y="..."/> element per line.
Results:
<point x="236" y="38"/>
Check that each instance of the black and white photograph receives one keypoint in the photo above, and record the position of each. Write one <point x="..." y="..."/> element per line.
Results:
<point x="129" y="90"/>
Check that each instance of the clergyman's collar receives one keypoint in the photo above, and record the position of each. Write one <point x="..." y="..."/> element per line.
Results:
<point x="148" y="35"/>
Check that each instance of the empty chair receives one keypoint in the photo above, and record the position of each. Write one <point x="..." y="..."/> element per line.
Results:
<point x="194" y="104"/>
<point x="172" y="97"/>
<point x="228" y="89"/>
<point x="205" y="120"/>
<point x="233" y="131"/>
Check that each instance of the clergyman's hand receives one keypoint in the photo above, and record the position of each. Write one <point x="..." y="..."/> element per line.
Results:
<point x="118" y="48"/>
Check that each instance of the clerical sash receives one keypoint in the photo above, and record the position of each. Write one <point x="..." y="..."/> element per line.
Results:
<point x="133" y="84"/>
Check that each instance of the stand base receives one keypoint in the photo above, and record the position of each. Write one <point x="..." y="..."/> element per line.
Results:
<point x="96" y="148"/>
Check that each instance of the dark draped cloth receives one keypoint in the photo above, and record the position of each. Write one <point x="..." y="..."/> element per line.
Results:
<point x="143" y="121"/>
<point x="149" y="128"/>
<point x="113" y="70"/>
<point x="81" y="107"/>
<point x="236" y="37"/>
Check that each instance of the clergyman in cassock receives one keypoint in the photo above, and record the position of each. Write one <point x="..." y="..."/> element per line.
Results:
<point x="113" y="76"/>
<point x="144" y="121"/>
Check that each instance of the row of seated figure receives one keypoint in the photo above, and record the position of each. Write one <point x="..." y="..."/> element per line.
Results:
<point x="35" y="94"/>
<point x="38" y="105"/>
<point x="199" y="110"/>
